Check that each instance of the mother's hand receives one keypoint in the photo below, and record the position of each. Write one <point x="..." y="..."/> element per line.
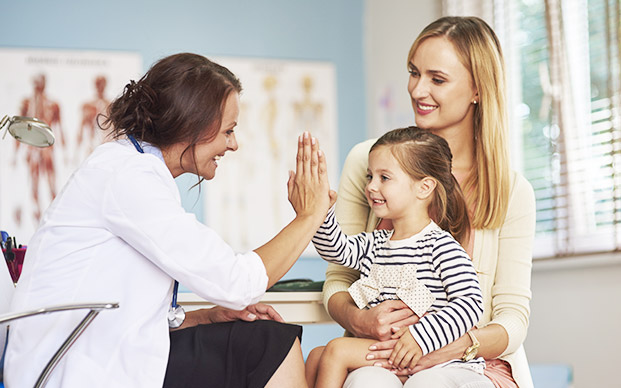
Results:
<point x="308" y="187"/>
<point x="381" y="321"/>
<point x="380" y="351"/>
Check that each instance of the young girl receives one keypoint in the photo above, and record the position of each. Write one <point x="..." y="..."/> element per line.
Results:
<point x="419" y="261"/>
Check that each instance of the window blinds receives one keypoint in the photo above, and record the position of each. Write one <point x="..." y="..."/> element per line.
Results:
<point x="565" y="79"/>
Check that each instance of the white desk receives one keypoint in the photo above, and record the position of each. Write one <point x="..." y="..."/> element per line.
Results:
<point x="295" y="307"/>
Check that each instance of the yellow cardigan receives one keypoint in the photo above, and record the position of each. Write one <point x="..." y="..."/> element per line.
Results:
<point x="502" y="257"/>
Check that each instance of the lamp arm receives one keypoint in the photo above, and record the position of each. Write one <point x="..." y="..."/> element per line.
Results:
<point x="2" y="124"/>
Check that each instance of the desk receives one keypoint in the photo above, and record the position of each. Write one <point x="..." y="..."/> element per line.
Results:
<point x="295" y="307"/>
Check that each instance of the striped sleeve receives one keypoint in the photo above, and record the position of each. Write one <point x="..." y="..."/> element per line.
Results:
<point x="465" y="301"/>
<point x="336" y="247"/>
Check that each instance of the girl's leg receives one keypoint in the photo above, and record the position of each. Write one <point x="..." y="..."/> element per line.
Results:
<point x="341" y="356"/>
<point x="448" y="377"/>
<point x="290" y="374"/>
<point x="372" y="377"/>
<point x="312" y="365"/>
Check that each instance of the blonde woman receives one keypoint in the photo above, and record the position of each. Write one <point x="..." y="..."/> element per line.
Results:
<point x="457" y="88"/>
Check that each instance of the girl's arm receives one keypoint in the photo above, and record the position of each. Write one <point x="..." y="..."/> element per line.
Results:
<point x="464" y="306"/>
<point x="336" y="247"/>
<point x="510" y="297"/>
<point x="510" y="293"/>
<point x="353" y="213"/>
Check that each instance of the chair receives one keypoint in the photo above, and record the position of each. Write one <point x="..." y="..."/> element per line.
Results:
<point x="6" y="291"/>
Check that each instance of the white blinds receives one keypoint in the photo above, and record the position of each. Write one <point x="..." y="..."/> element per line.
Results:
<point x="565" y="79"/>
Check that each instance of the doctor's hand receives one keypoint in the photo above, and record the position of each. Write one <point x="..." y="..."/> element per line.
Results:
<point x="251" y="313"/>
<point x="308" y="187"/>
<point x="263" y="312"/>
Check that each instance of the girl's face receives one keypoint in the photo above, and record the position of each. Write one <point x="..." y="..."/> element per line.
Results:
<point x="207" y="154"/>
<point x="390" y="190"/>
<point x="441" y="87"/>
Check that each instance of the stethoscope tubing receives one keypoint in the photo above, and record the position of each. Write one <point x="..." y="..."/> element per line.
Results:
<point x="175" y="309"/>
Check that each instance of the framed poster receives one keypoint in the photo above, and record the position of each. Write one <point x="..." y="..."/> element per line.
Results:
<point x="66" y="89"/>
<point x="246" y="203"/>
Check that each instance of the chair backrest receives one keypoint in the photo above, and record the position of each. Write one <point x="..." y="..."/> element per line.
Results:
<point x="6" y="293"/>
<point x="7" y="289"/>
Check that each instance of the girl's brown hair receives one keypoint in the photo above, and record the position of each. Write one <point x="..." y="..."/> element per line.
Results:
<point x="479" y="50"/>
<point x="180" y="99"/>
<point x="422" y="154"/>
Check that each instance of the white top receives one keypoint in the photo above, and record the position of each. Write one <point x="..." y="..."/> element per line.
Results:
<point x="117" y="233"/>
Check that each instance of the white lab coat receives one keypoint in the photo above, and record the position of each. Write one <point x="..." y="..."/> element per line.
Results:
<point x="117" y="233"/>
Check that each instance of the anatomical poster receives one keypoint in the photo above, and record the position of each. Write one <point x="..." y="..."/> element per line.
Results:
<point x="247" y="202"/>
<point x="67" y="89"/>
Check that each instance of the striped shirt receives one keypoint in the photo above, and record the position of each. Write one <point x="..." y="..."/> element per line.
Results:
<point x="442" y="266"/>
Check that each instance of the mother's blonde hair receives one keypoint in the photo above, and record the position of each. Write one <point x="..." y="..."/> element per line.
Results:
<point x="487" y="187"/>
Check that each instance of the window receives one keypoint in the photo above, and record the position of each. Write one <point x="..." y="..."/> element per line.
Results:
<point x="565" y="80"/>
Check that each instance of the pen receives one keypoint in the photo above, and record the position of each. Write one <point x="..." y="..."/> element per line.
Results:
<point x="5" y="236"/>
<point x="9" y="255"/>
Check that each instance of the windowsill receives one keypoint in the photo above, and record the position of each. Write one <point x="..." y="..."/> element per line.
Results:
<point x="576" y="262"/>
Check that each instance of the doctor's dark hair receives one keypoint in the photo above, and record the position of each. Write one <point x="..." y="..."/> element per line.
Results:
<point x="180" y="99"/>
<point x="422" y="154"/>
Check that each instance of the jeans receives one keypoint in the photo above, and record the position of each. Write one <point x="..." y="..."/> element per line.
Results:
<point x="447" y="377"/>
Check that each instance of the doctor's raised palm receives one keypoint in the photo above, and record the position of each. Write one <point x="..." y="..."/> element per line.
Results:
<point x="308" y="187"/>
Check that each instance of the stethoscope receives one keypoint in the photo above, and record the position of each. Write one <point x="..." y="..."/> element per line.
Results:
<point x="176" y="313"/>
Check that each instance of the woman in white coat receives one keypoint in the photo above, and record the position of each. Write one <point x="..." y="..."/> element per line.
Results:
<point x="117" y="232"/>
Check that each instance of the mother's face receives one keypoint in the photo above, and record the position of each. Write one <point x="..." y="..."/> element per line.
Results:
<point x="208" y="153"/>
<point x="440" y="86"/>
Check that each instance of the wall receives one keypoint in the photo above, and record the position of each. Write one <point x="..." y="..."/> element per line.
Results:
<point x="285" y="29"/>
<point x="323" y="30"/>
<point x="368" y="41"/>
<point x="576" y="318"/>
<point x="390" y="29"/>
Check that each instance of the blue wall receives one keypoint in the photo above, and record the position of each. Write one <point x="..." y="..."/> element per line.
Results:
<point x="323" y="30"/>
<point x="283" y="29"/>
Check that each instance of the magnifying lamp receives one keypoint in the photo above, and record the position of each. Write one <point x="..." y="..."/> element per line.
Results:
<point x="28" y="130"/>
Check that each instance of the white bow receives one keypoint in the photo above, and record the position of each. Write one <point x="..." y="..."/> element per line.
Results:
<point x="400" y="280"/>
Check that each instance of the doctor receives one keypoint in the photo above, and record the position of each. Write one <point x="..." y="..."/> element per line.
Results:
<point x="117" y="232"/>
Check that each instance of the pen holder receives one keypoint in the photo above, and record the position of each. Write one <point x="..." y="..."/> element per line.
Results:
<point x="15" y="266"/>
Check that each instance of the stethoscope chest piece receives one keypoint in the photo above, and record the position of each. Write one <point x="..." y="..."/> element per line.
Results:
<point x="176" y="316"/>
<point x="176" y="313"/>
